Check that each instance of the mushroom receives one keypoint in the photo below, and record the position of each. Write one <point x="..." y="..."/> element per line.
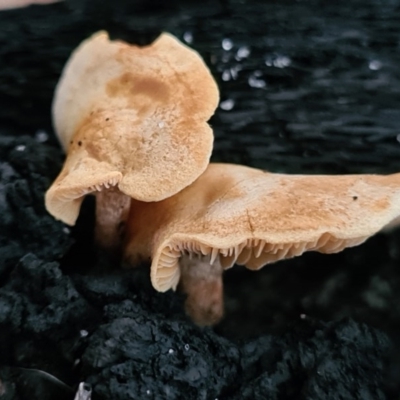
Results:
<point x="235" y="214"/>
<point x="133" y="121"/>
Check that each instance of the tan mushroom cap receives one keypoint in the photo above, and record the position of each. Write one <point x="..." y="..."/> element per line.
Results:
<point x="131" y="117"/>
<point x="249" y="217"/>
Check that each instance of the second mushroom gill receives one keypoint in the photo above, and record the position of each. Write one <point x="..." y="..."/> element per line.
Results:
<point x="235" y="214"/>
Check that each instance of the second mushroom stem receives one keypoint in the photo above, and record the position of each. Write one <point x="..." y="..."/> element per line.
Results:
<point x="112" y="209"/>
<point x="202" y="281"/>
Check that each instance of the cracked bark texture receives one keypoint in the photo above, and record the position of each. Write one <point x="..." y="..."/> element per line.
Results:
<point x="306" y="87"/>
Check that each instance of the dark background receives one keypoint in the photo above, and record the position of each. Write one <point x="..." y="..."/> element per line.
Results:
<point x="306" y="87"/>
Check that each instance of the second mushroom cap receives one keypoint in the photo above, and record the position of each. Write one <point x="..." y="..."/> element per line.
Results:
<point x="131" y="117"/>
<point x="236" y="214"/>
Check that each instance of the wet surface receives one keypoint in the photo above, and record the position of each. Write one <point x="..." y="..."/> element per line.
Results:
<point x="306" y="87"/>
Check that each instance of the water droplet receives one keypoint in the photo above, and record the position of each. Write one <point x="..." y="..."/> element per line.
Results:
<point x="20" y="147"/>
<point x="161" y="124"/>
<point x="227" y="44"/>
<point x="282" y="62"/>
<point x="226" y="75"/>
<point x="227" y="105"/>
<point x="83" y="333"/>
<point x="255" y="82"/>
<point x="278" y="61"/>
<point x="148" y="392"/>
<point x="303" y="316"/>
<point x="375" y="65"/>
<point x="188" y="37"/>
<point x="187" y="347"/>
<point x="243" y="52"/>
<point x="41" y="136"/>
<point x="171" y="351"/>
<point x="398" y="137"/>
<point x="234" y="71"/>
<point x="66" y="230"/>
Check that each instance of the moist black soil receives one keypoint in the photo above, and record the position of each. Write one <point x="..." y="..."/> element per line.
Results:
<point x="306" y="87"/>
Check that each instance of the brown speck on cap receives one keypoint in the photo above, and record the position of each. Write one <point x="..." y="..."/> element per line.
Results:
<point x="136" y="90"/>
<point x="235" y="214"/>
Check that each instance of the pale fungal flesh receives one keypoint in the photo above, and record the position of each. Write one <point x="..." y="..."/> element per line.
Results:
<point x="202" y="281"/>
<point x="133" y="119"/>
<point x="235" y="214"/>
<point x="112" y="209"/>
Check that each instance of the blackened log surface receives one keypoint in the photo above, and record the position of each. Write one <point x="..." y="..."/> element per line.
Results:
<point x="26" y="169"/>
<point x="131" y="343"/>
<point x="306" y="87"/>
<point x="310" y="85"/>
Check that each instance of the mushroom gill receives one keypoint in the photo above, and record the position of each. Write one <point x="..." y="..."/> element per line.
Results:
<point x="251" y="253"/>
<point x="235" y="214"/>
<point x="131" y="118"/>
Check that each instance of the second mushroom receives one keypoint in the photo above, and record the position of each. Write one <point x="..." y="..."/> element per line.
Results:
<point x="235" y="214"/>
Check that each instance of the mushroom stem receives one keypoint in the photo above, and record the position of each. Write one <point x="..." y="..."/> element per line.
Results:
<point x="112" y="209"/>
<point x="201" y="280"/>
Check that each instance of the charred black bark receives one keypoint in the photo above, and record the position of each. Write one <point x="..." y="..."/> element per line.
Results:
<point x="306" y="87"/>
